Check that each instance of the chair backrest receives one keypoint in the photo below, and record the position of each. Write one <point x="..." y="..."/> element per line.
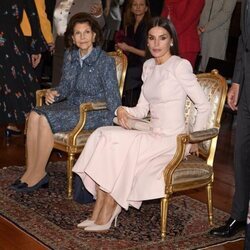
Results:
<point x="121" y="67"/>
<point x="215" y="88"/>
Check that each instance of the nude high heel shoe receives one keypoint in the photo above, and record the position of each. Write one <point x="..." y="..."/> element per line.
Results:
<point x="105" y="227"/>
<point x="86" y="223"/>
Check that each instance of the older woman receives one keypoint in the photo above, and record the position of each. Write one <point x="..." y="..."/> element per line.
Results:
<point x="89" y="75"/>
<point x="64" y="10"/>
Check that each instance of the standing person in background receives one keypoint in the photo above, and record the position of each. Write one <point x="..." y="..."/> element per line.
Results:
<point x="18" y="82"/>
<point x="112" y="14"/>
<point x="185" y="15"/>
<point x="133" y="43"/>
<point x="156" y="7"/>
<point x="213" y="29"/>
<point x="238" y="99"/>
<point x="64" y="10"/>
<point x="46" y="31"/>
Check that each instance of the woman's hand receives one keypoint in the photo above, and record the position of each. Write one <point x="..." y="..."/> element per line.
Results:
<point x="50" y="96"/>
<point x="200" y="30"/>
<point x="194" y="150"/>
<point x="123" y="46"/>
<point x="51" y="48"/>
<point x="35" y="59"/>
<point x="233" y="95"/>
<point x="96" y="9"/>
<point x="122" y="116"/>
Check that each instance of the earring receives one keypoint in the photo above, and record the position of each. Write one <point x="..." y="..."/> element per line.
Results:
<point x="171" y="44"/>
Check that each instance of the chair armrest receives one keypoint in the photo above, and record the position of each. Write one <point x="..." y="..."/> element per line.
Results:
<point x="40" y="94"/>
<point x="203" y="135"/>
<point x="182" y="141"/>
<point x="84" y="108"/>
<point x="99" y="105"/>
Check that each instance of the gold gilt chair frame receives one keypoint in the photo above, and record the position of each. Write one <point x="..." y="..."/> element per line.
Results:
<point x="185" y="173"/>
<point x="73" y="142"/>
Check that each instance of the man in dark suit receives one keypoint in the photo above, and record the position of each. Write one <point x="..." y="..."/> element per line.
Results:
<point x="239" y="99"/>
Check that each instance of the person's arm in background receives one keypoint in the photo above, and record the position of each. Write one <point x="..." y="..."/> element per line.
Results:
<point x="107" y="8"/>
<point x="45" y="23"/>
<point x="139" y="49"/>
<point x="125" y="47"/>
<point x="222" y="16"/>
<point x="233" y="93"/>
<point x="97" y="12"/>
<point x="38" y="44"/>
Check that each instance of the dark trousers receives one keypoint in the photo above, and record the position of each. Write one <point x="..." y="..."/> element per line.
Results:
<point x="247" y="239"/>
<point x="242" y="157"/>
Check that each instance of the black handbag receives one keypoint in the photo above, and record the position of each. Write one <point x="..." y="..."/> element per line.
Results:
<point x="80" y="193"/>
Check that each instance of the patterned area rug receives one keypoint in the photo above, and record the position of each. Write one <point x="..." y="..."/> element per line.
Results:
<point x="50" y="217"/>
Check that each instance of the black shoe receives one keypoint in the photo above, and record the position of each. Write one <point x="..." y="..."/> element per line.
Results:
<point x="10" y="132"/>
<point x="231" y="227"/>
<point x="43" y="183"/>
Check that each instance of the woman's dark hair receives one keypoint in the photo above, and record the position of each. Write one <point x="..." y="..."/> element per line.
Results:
<point x="82" y="18"/>
<point x="167" y="25"/>
<point x="129" y="18"/>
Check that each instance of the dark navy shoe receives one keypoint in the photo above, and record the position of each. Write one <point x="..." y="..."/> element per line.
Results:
<point x="43" y="183"/>
<point x="16" y="183"/>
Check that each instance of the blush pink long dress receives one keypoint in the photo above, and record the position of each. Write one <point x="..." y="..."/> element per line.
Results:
<point x="128" y="164"/>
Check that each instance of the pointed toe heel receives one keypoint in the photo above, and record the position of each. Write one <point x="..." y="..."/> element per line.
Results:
<point x="86" y="223"/>
<point x="105" y="227"/>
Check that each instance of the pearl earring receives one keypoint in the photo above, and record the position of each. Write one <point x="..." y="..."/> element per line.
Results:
<point x="171" y="44"/>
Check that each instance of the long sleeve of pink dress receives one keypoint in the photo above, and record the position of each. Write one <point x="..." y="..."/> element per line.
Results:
<point x="128" y="164"/>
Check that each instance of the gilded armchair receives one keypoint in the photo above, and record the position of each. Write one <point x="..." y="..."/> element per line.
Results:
<point x="73" y="142"/>
<point x="196" y="171"/>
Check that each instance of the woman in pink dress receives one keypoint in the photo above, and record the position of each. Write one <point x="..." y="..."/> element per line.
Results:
<point x="122" y="167"/>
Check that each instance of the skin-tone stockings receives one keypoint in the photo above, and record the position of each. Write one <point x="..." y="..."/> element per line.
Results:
<point x="104" y="207"/>
<point x="39" y="145"/>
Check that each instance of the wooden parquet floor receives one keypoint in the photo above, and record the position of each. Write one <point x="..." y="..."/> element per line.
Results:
<point x="13" y="152"/>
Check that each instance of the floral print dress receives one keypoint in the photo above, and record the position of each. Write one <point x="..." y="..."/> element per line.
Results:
<point x="18" y="83"/>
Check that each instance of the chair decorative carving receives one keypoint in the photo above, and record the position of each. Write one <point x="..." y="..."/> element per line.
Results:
<point x="73" y="142"/>
<point x="185" y="173"/>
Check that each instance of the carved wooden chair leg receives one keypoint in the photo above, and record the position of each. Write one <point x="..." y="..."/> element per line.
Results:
<point x="164" y="215"/>
<point x="70" y="162"/>
<point x="210" y="203"/>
